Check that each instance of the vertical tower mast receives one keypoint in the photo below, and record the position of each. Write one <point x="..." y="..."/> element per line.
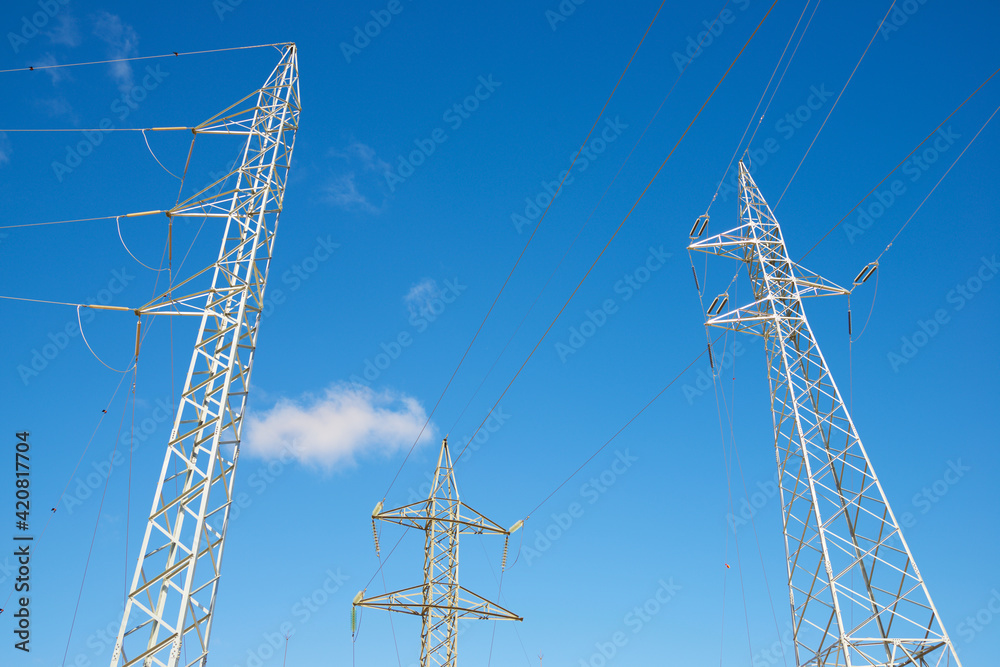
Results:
<point x="856" y="594"/>
<point x="440" y="601"/>
<point x="173" y="591"/>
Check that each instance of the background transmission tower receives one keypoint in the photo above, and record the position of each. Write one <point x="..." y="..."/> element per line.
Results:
<point x="172" y="596"/>
<point x="440" y="601"/>
<point x="856" y="594"/>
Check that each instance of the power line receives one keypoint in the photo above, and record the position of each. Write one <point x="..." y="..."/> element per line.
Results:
<point x="523" y="250"/>
<point x="834" y="105"/>
<point x="32" y="68"/>
<point x="620" y="225"/>
<point x="579" y="232"/>
<point x="900" y="164"/>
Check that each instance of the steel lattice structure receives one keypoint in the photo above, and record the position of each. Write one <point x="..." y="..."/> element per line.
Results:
<point x="168" y="613"/>
<point x="857" y="597"/>
<point x="439" y="601"/>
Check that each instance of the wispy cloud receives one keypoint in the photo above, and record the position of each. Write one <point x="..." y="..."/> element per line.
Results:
<point x="54" y="106"/>
<point x="362" y="163"/>
<point x="122" y="41"/>
<point x="5" y="149"/>
<point x="348" y="421"/>
<point x="57" y="74"/>
<point x="342" y="191"/>
<point x="65" y="32"/>
<point x="366" y="154"/>
<point x="418" y="299"/>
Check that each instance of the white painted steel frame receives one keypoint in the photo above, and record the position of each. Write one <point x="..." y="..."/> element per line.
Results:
<point x="857" y="597"/>
<point x="440" y="601"/>
<point x="169" y="609"/>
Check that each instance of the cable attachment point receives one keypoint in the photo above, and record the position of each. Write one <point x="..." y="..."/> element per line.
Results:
<point x="866" y="273"/>
<point x="699" y="226"/>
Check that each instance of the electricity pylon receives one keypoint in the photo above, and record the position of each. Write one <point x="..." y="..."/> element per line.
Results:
<point x="440" y="601"/>
<point x="857" y="597"/>
<point x="172" y="597"/>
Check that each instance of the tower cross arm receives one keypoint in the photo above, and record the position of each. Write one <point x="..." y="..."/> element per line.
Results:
<point x="416" y="515"/>
<point x="466" y="605"/>
<point x="811" y="283"/>
<point x="751" y="318"/>
<point x="727" y="244"/>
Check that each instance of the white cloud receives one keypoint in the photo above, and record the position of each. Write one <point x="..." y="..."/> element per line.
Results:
<point x="365" y="165"/>
<point x="364" y="154"/>
<point x="367" y="155"/>
<point x="334" y="429"/>
<point x="343" y="191"/>
<point x="65" y="32"/>
<point x="418" y="299"/>
<point x="5" y="149"/>
<point x="121" y="39"/>
<point x="55" y="106"/>
<point x="57" y="74"/>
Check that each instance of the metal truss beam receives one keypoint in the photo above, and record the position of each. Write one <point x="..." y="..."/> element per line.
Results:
<point x="169" y="609"/>
<point x="440" y="601"/>
<point x="857" y="597"/>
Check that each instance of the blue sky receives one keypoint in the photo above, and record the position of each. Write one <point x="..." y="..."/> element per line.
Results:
<point x="375" y="252"/>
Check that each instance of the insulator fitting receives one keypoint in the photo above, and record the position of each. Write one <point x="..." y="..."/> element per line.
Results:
<point x="699" y="226"/>
<point x="375" y="535"/>
<point x="865" y="273"/>
<point x="503" y="562"/>
<point x="718" y="304"/>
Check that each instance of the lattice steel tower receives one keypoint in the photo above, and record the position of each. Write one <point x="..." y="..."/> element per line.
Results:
<point x="439" y="601"/>
<point x="168" y="613"/>
<point x="857" y="597"/>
